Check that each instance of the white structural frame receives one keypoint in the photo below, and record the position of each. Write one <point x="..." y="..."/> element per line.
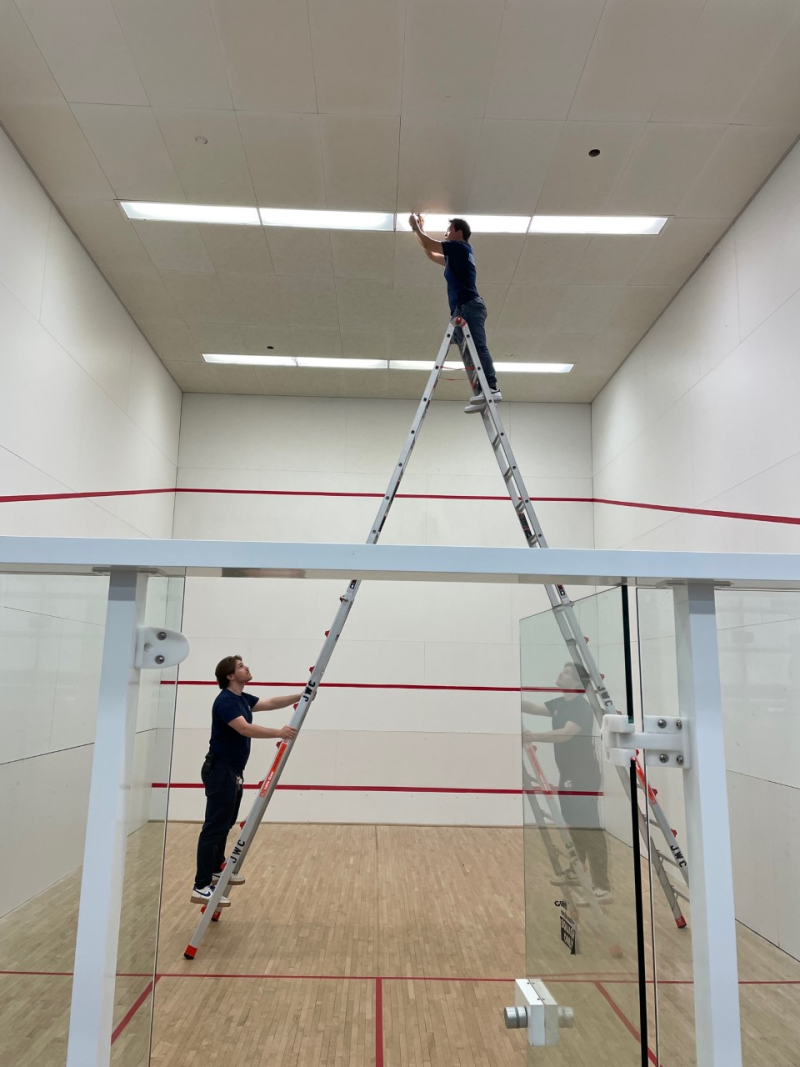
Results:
<point x="694" y="577"/>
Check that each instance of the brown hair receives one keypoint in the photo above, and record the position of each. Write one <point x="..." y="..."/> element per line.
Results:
<point x="224" y="668"/>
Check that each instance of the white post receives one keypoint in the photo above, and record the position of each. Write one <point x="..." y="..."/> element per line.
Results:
<point x="716" y="975"/>
<point x="93" y="983"/>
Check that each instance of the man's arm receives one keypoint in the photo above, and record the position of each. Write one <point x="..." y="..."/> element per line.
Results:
<point x="565" y="733"/>
<point x="276" y="703"/>
<point x="249" y="729"/>
<point x="530" y="707"/>
<point x="433" y="249"/>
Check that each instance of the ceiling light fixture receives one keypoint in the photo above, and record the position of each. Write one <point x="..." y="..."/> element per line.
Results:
<point x="625" y="225"/>
<point x="343" y="363"/>
<point x="477" y="223"/>
<point x="327" y="220"/>
<point x="206" y="213"/>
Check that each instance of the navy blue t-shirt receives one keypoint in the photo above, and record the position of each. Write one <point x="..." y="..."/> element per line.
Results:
<point x="459" y="273"/>
<point x="576" y="759"/>
<point x="227" y="744"/>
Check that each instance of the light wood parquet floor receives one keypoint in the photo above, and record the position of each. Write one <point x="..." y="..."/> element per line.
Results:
<point x="364" y="945"/>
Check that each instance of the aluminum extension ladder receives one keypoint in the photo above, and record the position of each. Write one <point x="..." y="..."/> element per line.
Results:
<point x="591" y="679"/>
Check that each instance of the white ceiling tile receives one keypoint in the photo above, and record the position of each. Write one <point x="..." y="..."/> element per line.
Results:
<point x="677" y="250"/>
<point x="309" y="300"/>
<point x="540" y="55"/>
<point x="144" y="294"/>
<point x="512" y="163"/>
<point x="242" y="338"/>
<point x="315" y="341"/>
<point x="448" y="56"/>
<point x="177" y="54"/>
<point x="237" y="380"/>
<point x="358" y="73"/>
<point x="730" y="44"/>
<point x="245" y="298"/>
<point x="365" y="303"/>
<point x="774" y="98"/>
<point x="663" y="167"/>
<point x="172" y="341"/>
<point x="84" y="47"/>
<point x="422" y="308"/>
<point x="610" y="258"/>
<point x="194" y="377"/>
<point x="366" y="344"/>
<point x="301" y="252"/>
<point x="360" y="161"/>
<point x="496" y="257"/>
<point x="130" y="149"/>
<point x="550" y="258"/>
<point x="52" y="142"/>
<point x="285" y="381"/>
<point x="632" y="54"/>
<point x="212" y="173"/>
<point x="437" y="157"/>
<point x="285" y="159"/>
<point x="579" y="184"/>
<point x="174" y="246"/>
<point x="411" y="265"/>
<point x="742" y="161"/>
<point x="106" y="233"/>
<point x="639" y="307"/>
<point x="25" y="77"/>
<point x="417" y="343"/>
<point x="363" y="255"/>
<point x="237" y="249"/>
<point x="586" y="308"/>
<point x="530" y="308"/>
<point x="266" y="46"/>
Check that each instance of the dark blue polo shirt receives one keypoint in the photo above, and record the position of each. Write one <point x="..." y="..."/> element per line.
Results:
<point x="459" y="273"/>
<point x="227" y="744"/>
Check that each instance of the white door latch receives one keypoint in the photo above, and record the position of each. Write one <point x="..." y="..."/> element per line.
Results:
<point x="537" y="1012"/>
<point x="664" y="741"/>
<point x="157" y="647"/>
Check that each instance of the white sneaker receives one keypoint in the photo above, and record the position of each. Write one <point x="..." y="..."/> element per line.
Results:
<point x="603" y="896"/>
<point x="235" y="879"/>
<point x="478" y="402"/>
<point x="203" y="896"/>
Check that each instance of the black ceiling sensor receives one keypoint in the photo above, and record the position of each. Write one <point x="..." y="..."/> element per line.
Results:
<point x="594" y="152"/>
<point x="270" y="347"/>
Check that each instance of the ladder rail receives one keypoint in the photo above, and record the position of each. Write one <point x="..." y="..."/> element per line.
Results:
<point x="563" y="608"/>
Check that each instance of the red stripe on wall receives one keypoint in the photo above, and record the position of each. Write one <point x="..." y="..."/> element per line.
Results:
<point x="397" y="789"/>
<point x="748" y="516"/>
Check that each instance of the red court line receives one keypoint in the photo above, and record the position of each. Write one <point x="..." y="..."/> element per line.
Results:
<point x="388" y="685"/>
<point x="133" y="1009"/>
<point x="397" y="789"/>
<point x="378" y="1022"/>
<point x="749" y="516"/>
<point x="625" y="1020"/>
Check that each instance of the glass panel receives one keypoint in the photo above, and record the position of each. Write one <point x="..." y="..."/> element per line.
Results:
<point x="51" y="646"/>
<point x="580" y="892"/>
<point x="144" y="863"/>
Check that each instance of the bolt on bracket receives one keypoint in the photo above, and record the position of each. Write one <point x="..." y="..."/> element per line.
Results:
<point x="664" y="741"/>
<point x="537" y="1012"/>
<point x="157" y="648"/>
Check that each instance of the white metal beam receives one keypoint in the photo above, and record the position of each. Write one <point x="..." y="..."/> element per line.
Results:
<point x="713" y="926"/>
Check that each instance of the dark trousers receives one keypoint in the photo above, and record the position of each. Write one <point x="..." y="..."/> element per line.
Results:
<point x="474" y="312"/>
<point x="582" y="816"/>
<point x="223" y="787"/>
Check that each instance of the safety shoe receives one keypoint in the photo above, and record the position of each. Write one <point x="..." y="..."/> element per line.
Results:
<point x="203" y="896"/>
<point x="235" y="879"/>
<point x="478" y="402"/>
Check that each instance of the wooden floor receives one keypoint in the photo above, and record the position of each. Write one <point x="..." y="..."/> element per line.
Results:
<point x="384" y="946"/>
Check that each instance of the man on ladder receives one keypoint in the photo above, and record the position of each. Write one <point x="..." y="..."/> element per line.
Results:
<point x="232" y="727"/>
<point x="580" y="777"/>
<point x="455" y="254"/>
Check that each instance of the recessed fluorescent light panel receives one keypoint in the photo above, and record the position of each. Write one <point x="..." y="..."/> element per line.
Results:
<point x="611" y="224"/>
<point x="478" y="223"/>
<point x="229" y="216"/>
<point x="506" y="368"/>
<point x="332" y="363"/>
<point x="327" y="220"/>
